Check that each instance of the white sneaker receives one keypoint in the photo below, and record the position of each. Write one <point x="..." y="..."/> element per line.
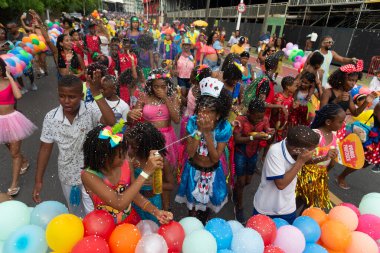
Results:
<point x="34" y="87"/>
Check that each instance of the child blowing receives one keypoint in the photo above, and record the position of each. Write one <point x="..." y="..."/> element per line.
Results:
<point x="66" y="126"/>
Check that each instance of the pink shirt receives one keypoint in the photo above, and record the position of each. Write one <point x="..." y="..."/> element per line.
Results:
<point x="185" y="65"/>
<point x="190" y="103"/>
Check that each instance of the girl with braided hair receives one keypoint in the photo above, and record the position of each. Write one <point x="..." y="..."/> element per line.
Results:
<point x="312" y="185"/>
<point x="108" y="179"/>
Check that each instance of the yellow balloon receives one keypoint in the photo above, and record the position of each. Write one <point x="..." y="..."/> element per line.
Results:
<point x="364" y="117"/>
<point x="63" y="232"/>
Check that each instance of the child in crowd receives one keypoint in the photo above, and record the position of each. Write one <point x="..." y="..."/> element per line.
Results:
<point x="276" y="196"/>
<point x="284" y="98"/>
<point x="250" y="135"/>
<point x="114" y="66"/>
<point x="129" y="82"/>
<point x="203" y="183"/>
<point x="92" y="43"/>
<point x="342" y="81"/>
<point x="375" y="82"/>
<point x="372" y="145"/>
<point x="302" y="98"/>
<point x="141" y="139"/>
<point x="66" y="126"/>
<point x="78" y="45"/>
<point x="108" y="179"/>
<point x="248" y="72"/>
<point x="315" y="62"/>
<point x="91" y="69"/>
<point x="312" y="183"/>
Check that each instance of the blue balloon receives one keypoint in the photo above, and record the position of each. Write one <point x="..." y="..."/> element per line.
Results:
<point x="23" y="58"/>
<point x="225" y="251"/>
<point x="247" y="240"/>
<point x="314" y="248"/>
<point x="280" y="222"/>
<point x="44" y="212"/>
<point x="10" y="62"/>
<point x="309" y="228"/>
<point x="221" y="231"/>
<point x="27" y="239"/>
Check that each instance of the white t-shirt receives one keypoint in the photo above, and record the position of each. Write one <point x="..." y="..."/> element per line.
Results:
<point x="120" y="108"/>
<point x="374" y="85"/>
<point x="269" y="199"/>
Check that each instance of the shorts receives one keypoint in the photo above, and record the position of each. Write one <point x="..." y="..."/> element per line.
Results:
<point x="184" y="82"/>
<point x="244" y="165"/>
<point x="288" y="217"/>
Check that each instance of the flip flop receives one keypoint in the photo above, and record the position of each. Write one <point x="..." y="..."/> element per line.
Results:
<point x="342" y="185"/>
<point x="13" y="191"/>
<point x="24" y="169"/>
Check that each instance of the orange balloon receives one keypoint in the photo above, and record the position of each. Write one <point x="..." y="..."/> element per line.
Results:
<point x="317" y="214"/>
<point x="345" y="215"/>
<point x="124" y="239"/>
<point x="335" y="235"/>
<point x="33" y="36"/>
<point x="26" y="40"/>
<point x="36" y="49"/>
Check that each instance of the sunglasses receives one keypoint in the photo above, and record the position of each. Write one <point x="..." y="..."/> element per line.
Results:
<point x="329" y="42"/>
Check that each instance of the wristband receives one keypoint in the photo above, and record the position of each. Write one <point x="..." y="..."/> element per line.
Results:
<point x="144" y="174"/>
<point x="98" y="97"/>
<point x="251" y="138"/>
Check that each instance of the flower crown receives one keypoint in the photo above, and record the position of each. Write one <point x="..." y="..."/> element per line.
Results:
<point x="114" y="134"/>
<point x="159" y="76"/>
<point x="211" y="87"/>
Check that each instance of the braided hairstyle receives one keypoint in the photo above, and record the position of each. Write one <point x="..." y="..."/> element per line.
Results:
<point x="147" y="138"/>
<point x="221" y="105"/>
<point x="328" y="111"/>
<point x="97" y="152"/>
<point x="168" y="80"/>
<point x="256" y="105"/>
<point x="302" y="137"/>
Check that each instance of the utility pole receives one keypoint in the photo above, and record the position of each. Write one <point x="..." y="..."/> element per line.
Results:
<point x="207" y="10"/>
<point x="265" y="22"/>
<point x="239" y="17"/>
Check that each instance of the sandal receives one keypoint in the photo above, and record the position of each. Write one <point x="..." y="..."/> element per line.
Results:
<point x="24" y="169"/>
<point x="13" y="191"/>
<point x="342" y="185"/>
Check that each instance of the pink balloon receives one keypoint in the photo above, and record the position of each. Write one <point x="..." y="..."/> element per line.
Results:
<point x="370" y="225"/>
<point x="296" y="65"/>
<point x="362" y="243"/>
<point x="303" y="60"/>
<point x="352" y="206"/>
<point x="287" y="234"/>
<point x="345" y="215"/>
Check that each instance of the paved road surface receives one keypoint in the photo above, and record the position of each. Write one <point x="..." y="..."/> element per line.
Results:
<point x="36" y="104"/>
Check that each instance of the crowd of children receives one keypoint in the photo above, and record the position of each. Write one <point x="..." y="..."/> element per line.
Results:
<point x="119" y="104"/>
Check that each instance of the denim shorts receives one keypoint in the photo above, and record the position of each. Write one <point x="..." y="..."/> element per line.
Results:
<point x="244" y="165"/>
<point x="184" y="82"/>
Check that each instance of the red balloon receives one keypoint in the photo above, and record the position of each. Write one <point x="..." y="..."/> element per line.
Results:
<point x="273" y="249"/>
<point x="265" y="226"/>
<point x="100" y="223"/>
<point x="91" y="244"/>
<point x="174" y="235"/>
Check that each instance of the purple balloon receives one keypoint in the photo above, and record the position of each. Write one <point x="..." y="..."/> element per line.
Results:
<point x="289" y="233"/>
<point x="298" y="58"/>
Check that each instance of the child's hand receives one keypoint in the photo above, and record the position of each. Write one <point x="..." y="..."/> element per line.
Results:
<point x="95" y="81"/>
<point x="8" y="71"/>
<point x="370" y="97"/>
<point x="161" y="93"/>
<point x="305" y="156"/>
<point x="332" y="154"/>
<point x="286" y="112"/>
<point x="135" y="114"/>
<point x="36" y="192"/>
<point x="164" y="217"/>
<point x="345" y="96"/>
<point x="271" y="131"/>
<point x="154" y="162"/>
<point x="296" y="104"/>
<point x="205" y="124"/>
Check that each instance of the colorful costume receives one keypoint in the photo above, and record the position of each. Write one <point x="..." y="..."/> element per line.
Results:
<point x="372" y="146"/>
<point x="204" y="187"/>
<point x="281" y="128"/>
<point x="92" y="42"/>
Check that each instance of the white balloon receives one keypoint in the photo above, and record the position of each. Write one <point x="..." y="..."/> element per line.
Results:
<point x="153" y="243"/>
<point x="147" y="227"/>
<point x="235" y="226"/>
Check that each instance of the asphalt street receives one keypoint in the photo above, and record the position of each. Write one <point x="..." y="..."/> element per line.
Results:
<point x="35" y="104"/>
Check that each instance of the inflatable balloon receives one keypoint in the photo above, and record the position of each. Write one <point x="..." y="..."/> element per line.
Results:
<point x="314" y="248"/>
<point x="317" y="214"/>
<point x="265" y="226"/>
<point x="370" y="204"/>
<point x="309" y="228"/>
<point x="190" y="224"/>
<point x="13" y="215"/>
<point x="286" y="234"/>
<point x="280" y="222"/>
<point x="124" y="239"/>
<point x="27" y="239"/>
<point x="273" y="249"/>
<point x="152" y="243"/>
<point x="199" y="241"/>
<point x="370" y="225"/>
<point x="295" y="47"/>
<point x="174" y="234"/>
<point x="147" y="227"/>
<point x="235" y="226"/>
<point x="247" y="240"/>
<point x="44" y="212"/>
<point x="296" y="65"/>
<point x="289" y="45"/>
<point x="352" y="206"/>
<point x="63" y="232"/>
<point x="91" y="244"/>
<point x="345" y="215"/>
<point x="221" y="231"/>
<point x="99" y="223"/>
<point x="225" y="251"/>
<point x="362" y="243"/>
<point x="335" y="235"/>
<point x="298" y="58"/>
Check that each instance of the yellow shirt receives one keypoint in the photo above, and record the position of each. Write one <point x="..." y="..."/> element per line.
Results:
<point x="156" y="34"/>
<point x="237" y="49"/>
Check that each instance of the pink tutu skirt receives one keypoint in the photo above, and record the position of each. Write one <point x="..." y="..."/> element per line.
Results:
<point x="172" y="151"/>
<point x="15" y="127"/>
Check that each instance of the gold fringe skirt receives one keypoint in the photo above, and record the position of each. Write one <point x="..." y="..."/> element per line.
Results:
<point x="312" y="186"/>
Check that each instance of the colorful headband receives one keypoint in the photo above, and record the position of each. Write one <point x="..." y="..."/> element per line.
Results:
<point x="199" y="70"/>
<point x="115" y="133"/>
<point x="239" y="66"/>
<point x="158" y="76"/>
<point x="351" y="68"/>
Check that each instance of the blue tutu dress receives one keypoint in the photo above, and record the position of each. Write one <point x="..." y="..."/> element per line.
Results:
<point x="201" y="189"/>
<point x="156" y="200"/>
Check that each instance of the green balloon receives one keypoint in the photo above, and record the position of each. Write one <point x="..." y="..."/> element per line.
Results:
<point x="50" y="24"/>
<point x="13" y="215"/>
<point x="35" y="42"/>
<point x="57" y="23"/>
<point x="370" y="204"/>
<point x="292" y="55"/>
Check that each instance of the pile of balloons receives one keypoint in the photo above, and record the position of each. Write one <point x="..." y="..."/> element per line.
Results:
<point x="18" y="59"/>
<point x="295" y="55"/>
<point x="34" y="43"/>
<point x="95" y="14"/>
<point x="54" y="31"/>
<point x="346" y="229"/>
